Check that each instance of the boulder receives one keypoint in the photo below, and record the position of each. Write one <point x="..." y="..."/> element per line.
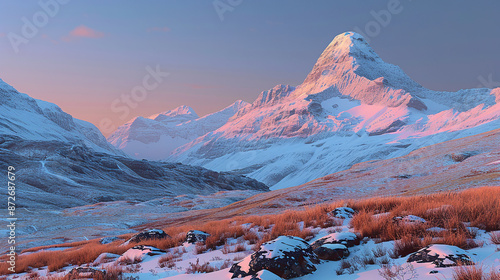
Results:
<point x="86" y="273"/>
<point x="148" y="235"/>
<point x="285" y="256"/>
<point x="148" y="250"/>
<point x="107" y="240"/>
<point x="195" y="236"/>
<point x="343" y="212"/>
<point x="441" y="255"/>
<point x="332" y="252"/>
<point x="348" y="239"/>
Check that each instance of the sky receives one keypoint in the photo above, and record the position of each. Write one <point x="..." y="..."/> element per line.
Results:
<point x="107" y="62"/>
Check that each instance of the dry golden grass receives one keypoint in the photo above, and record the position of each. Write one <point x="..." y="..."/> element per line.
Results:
<point x="71" y="244"/>
<point x="479" y="207"/>
<point x="289" y="225"/>
<point x="55" y="260"/>
<point x="251" y="237"/>
<point x="166" y="261"/>
<point x="200" y="268"/>
<point x="469" y="272"/>
<point x="409" y="244"/>
<point x="495" y="237"/>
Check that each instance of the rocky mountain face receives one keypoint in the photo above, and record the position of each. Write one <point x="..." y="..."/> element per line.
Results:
<point x="352" y="107"/>
<point x="454" y="165"/>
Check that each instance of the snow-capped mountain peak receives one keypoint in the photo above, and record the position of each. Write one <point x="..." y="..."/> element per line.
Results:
<point x="347" y="44"/>
<point x="156" y="136"/>
<point x="352" y="107"/>
<point x="351" y="67"/>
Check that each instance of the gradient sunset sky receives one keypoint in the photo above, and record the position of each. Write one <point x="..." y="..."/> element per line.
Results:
<point x="91" y="52"/>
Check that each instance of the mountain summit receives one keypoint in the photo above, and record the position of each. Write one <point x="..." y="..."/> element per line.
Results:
<point x="352" y="107"/>
<point x="351" y="67"/>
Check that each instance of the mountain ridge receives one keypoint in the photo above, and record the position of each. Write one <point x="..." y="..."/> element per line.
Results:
<point x="33" y="119"/>
<point x="351" y="107"/>
<point x="168" y="130"/>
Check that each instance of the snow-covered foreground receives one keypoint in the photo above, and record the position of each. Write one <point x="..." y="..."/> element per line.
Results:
<point x="365" y="260"/>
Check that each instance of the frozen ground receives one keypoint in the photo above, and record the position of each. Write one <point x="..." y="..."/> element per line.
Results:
<point x="150" y="267"/>
<point x="47" y="227"/>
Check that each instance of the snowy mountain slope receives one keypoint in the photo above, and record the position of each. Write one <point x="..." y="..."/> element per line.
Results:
<point x="57" y="174"/>
<point x="55" y="178"/>
<point x="61" y="162"/>
<point x="352" y="107"/>
<point x="64" y="162"/>
<point x="453" y="165"/>
<point x="32" y="119"/>
<point x="156" y="136"/>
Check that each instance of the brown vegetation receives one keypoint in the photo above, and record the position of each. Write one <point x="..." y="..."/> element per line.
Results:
<point x="478" y="207"/>
<point x="495" y="237"/>
<point x="474" y="272"/>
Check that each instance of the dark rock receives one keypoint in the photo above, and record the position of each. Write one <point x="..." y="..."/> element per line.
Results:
<point x="149" y="235"/>
<point x="459" y="157"/>
<point x="332" y="252"/>
<point x="285" y="256"/>
<point x="348" y="239"/>
<point x="85" y="273"/>
<point x="315" y="108"/>
<point x="149" y="250"/>
<point x="393" y="127"/>
<point x="417" y="104"/>
<point x="441" y="255"/>
<point x="194" y="236"/>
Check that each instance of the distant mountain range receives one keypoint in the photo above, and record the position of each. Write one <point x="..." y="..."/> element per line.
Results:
<point x="64" y="162"/>
<point x="157" y="136"/>
<point x="352" y="107"/>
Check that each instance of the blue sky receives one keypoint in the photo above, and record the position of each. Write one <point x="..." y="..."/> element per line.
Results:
<point x="91" y="52"/>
